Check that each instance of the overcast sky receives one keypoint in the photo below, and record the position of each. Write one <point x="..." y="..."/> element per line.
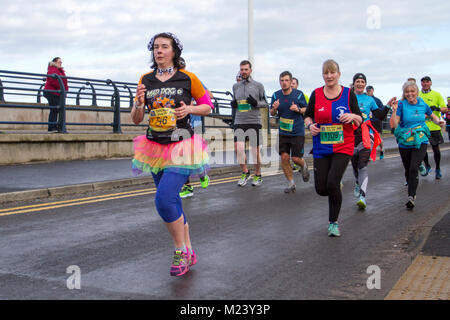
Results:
<point x="389" y="41"/>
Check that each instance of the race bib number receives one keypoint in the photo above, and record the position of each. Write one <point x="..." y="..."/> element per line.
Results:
<point x="244" y="106"/>
<point x="332" y="134"/>
<point x="162" y="119"/>
<point x="286" y="124"/>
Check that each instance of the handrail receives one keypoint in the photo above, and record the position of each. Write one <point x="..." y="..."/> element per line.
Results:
<point x="116" y="107"/>
<point x="107" y="92"/>
<point x="2" y="98"/>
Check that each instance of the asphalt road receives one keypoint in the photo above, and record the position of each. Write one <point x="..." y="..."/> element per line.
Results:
<point x="252" y="243"/>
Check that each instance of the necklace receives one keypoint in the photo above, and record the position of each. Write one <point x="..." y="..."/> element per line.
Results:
<point x="162" y="71"/>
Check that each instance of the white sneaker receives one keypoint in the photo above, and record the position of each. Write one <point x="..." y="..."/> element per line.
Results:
<point x="305" y="173"/>
<point x="257" y="181"/>
<point x="244" y="179"/>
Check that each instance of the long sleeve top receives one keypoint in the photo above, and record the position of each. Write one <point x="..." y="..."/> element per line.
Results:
<point x="241" y="91"/>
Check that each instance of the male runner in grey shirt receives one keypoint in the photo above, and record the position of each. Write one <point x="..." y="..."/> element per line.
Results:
<point x="249" y="96"/>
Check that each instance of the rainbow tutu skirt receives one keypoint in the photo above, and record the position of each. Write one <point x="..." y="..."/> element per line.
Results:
<point x="187" y="157"/>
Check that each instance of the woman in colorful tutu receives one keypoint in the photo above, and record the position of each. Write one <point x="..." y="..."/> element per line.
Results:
<point x="170" y="150"/>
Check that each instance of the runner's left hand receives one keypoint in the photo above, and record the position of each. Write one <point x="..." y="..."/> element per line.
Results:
<point x="346" y="118"/>
<point x="294" y="107"/>
<point x="183" y="111"/>
<point x="252" y="101"/>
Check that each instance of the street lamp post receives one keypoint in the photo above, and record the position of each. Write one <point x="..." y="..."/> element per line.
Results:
<point x="250" y="33"/>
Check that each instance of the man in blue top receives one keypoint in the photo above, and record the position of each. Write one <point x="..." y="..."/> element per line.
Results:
<point x="290" y="105"/>
<point x="361" y="155"/>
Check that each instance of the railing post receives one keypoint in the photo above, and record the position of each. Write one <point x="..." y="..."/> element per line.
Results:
<point x="268" y="114"/>
<point x="216" y="106"/>
<point x="131" y="95"/>
<point x="116" y="107"/>
<point x="78" y="96"/>
<point x="62" y="105"/>
<point x="38" y="98"/>
<point x="94" y="94"/>
<point x="203" y="124"/>
<point x="233" y="111"/>
<point x="2" y="98"/>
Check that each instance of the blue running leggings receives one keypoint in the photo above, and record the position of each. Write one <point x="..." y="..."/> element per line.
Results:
<point x="167" y="199"/>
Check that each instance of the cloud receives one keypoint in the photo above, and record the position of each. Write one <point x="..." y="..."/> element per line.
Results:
<point x="108" y="39"/>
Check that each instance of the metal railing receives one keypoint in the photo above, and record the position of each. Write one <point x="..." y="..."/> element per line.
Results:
<point x="25" y="91"/>
<point x="24" y="87"/>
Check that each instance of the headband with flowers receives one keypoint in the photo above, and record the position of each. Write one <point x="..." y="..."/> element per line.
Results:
<point x="167" y="34"/>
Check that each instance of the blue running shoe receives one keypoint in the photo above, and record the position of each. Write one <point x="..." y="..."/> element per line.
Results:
<point x="333" y="230"/>
<point x="381" y="155"/>
<point x="362" y="202"/>
<point x="428" y="171"/>
<point x="438" y="174"/>
<point x="357" y="190"/>
<point x="422" y="170"/>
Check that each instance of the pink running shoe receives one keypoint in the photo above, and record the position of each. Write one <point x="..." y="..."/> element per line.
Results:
<point x="192" y="258"/>
<point x="180" y="264"/>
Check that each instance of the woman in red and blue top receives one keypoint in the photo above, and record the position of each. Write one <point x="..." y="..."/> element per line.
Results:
<point x="170" y="150"/>
<point x="331" y="115"/>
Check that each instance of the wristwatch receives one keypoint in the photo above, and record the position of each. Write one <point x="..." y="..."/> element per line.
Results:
<point x="136" y="105"/>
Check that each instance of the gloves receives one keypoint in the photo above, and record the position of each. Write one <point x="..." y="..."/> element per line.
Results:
<point x="252" y="101"/>
<point x="233" y="104"/>
<point x="434" y="108"/>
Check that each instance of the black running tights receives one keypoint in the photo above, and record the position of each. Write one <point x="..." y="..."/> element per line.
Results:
<point x="412" y="158"/>
<point x="437" y="157"/>
<point x="328" y="174"/>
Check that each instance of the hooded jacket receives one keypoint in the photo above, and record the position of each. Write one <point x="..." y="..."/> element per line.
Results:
<point x="52" y="83"/>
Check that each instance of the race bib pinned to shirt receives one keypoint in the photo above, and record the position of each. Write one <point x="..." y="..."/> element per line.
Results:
<point x="162" y="119"/>
<point x="286" y="124"/>
<point x="333" y="134"/>
<point x="243" y="106"/>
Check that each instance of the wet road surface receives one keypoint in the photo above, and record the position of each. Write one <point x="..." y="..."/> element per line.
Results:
<point x="252" y="243"/>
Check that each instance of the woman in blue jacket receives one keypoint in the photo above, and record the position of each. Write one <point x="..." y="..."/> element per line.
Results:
<point x="408" y="120"/>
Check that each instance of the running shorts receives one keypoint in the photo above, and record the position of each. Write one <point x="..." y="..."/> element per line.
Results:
<point x="292" y="145"/>
<point x="436" y="138"/>
<point x="248" y="132"/>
